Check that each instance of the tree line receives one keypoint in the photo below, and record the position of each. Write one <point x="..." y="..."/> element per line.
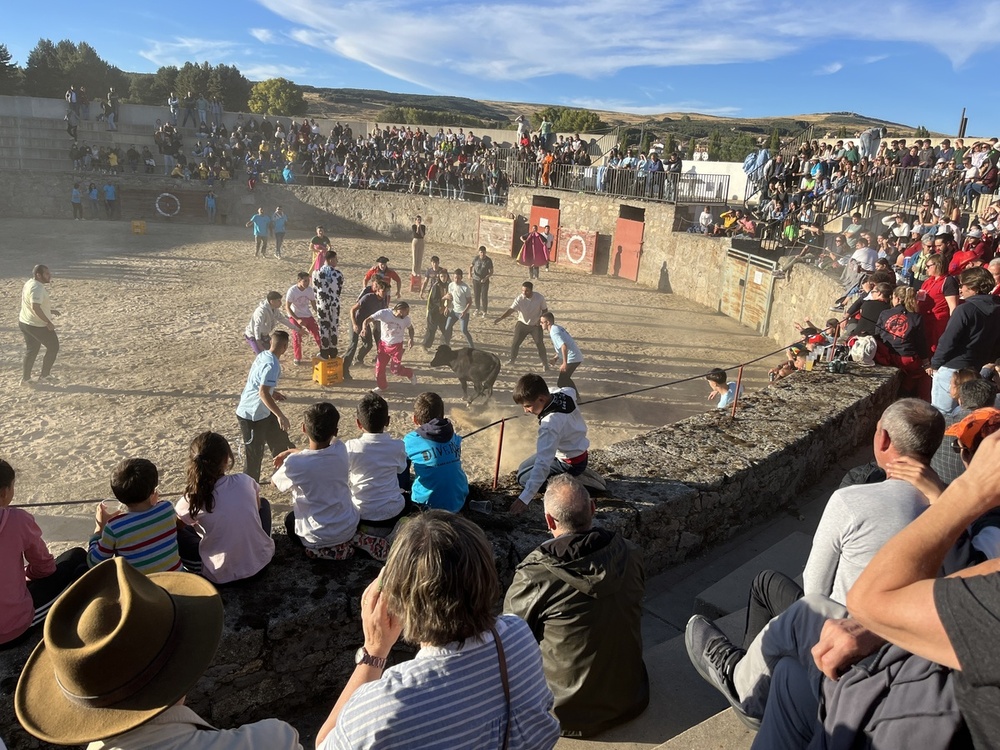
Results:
<point x="51" y="68"/>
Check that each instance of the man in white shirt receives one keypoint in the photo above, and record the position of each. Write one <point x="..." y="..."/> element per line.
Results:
<point x="562" y="442"/>
<point x="459" y="298"/>
<point x="529" y="306"/>
<point x="35" y="322"/>
<point x="300" y="304"/>
<point x="705" y="221"/>
<point x="267" y="315"/>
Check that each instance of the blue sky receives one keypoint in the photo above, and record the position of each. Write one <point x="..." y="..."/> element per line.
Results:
<point x="908" y="61"/>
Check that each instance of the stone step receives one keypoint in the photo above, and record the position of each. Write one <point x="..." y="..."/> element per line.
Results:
<point x="679" y="698"/>
<point x="720" y="732"/>
<point x="729" y="594"/>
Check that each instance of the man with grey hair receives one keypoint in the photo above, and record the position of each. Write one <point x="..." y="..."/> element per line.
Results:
<point x="857" y="522"/>
<point x="581" y="594"/>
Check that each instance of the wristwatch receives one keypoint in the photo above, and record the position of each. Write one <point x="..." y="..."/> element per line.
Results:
<point x="363" y="657"/>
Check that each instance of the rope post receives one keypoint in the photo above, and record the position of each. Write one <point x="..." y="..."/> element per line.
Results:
<point x="496" y="471"/>
<point x="736" y="397"/>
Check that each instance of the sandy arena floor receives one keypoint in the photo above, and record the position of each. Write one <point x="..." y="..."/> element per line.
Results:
<point x="152" y="352"/>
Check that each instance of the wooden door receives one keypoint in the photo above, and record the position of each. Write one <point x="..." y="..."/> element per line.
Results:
<point x="626" y="249"/>
<point x="539" y="216"/>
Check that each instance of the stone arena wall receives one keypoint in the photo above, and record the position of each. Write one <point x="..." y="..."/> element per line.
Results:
<point x="677" y="491"/>
<point x="289" y="638"/>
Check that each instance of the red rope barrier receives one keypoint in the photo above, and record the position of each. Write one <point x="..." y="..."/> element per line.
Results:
<point x="496" y="471"/>
<point x="736" y="396"/>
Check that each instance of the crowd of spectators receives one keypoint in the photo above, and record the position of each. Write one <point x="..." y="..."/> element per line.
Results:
<point x="895" y="606"/>
<point x="564" y="162"/>
<point x="448" y="164"/>
<point x="826" y="179"/>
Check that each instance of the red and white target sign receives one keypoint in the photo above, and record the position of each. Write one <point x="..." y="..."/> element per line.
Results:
<point x="575" y="249"/>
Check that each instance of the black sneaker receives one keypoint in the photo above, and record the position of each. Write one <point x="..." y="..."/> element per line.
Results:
<point x="715" y="658"/>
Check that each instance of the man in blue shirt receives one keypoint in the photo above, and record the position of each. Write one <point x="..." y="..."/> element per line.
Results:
<point x="278" y="222"/>
<point x="722" y="389"/>
<point x="261" y="223"/>
<point x="261" y="419"/>
<point x="567" y="355"/>
<point x="110" y="199"/>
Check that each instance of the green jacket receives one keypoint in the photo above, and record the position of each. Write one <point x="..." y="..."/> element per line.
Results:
<point x="581" y="595"/>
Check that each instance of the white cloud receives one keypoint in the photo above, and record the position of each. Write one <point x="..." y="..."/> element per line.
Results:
<point x="618" y="105"/>
<point x="830" y="69"/>
<point x="435" y="44"/>
<point x="185" y="49"/>
<point x="265" y="36"/>
<point x="432" y="44"/>
<point x="263" y="71"/>
<point x="874" y="59"/>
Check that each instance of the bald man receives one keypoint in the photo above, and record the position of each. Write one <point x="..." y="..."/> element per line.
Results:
<point x="581" y="593"/>
<point x="35" y="322"/>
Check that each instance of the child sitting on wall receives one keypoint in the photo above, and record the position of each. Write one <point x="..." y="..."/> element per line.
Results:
<point x="436" y="452"/>
<point x="323" y="519"/>
<point x="30" y="579"/>
<point x="145" y="534"/>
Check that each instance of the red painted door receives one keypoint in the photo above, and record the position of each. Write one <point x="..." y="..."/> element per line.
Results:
<point x="539" y="217"/>
<point x="626" y="249"/>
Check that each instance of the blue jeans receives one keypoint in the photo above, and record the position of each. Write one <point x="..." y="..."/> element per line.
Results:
<point x="450" y="324"/>
<point x="777" y="680"/>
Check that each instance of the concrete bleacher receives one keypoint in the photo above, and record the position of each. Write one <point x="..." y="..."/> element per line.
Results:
<point x="42" y="144"/>
<point x="685" y="713"/>
<point x="33" y="133"/>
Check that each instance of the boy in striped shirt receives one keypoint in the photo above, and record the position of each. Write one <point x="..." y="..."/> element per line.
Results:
<point x="146" y="533"/>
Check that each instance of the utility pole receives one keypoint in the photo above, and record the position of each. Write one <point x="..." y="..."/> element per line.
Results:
<point x="963" y="123"/>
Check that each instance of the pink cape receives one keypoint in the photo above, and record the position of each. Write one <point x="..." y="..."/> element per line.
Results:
<point x="533" y="252"/>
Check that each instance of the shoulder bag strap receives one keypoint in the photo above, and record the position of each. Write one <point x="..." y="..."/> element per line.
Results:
<point x="506" y="683"/>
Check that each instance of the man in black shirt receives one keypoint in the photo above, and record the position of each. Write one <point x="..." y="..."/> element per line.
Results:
<point x="952" y="621"/>
<point x="370" y="300"/>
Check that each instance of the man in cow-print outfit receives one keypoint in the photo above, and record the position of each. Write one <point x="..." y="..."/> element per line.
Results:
<point x="328" y="282"/>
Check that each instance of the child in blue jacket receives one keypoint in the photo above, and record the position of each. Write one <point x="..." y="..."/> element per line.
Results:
<point x="436" y="453"/>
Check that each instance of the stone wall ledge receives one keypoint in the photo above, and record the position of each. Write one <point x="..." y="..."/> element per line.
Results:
<point x="289" y="638"/>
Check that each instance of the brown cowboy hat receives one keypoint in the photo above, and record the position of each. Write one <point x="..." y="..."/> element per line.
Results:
<point x="119" y="649"/>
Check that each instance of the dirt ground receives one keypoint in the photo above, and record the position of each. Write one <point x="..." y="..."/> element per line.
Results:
<point x="152" y="352"/>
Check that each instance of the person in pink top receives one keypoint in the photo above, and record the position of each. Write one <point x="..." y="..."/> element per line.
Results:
<point x="30" y="578"/>
<point x="227" y="532"/>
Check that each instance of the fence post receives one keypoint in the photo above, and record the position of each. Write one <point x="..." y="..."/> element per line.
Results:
<point x="496" y="471"/>
<point x="736" y="397"/>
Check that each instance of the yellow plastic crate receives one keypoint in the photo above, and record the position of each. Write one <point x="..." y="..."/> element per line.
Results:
<point x="328" y="371"/>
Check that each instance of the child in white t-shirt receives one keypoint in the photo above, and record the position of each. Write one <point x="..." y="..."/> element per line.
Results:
<point x="323" y="518"/>
<point x="396" y="327"/>
<point x="376" y="459"/>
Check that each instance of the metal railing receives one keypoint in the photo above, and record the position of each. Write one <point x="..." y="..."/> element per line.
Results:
<point x="622" y="183"/>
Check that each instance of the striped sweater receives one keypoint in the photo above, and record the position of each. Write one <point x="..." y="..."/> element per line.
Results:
<point x="451" y="698"/>
<point x="147" y="539"/>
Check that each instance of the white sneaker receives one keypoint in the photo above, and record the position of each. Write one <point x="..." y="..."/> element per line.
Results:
<point x="378" y="390"/>
<point x="297" y="361"/>
<point x="413" y="379"/>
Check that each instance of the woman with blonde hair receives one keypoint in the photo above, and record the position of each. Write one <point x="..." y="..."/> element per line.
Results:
<point x="439" y="589"/>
